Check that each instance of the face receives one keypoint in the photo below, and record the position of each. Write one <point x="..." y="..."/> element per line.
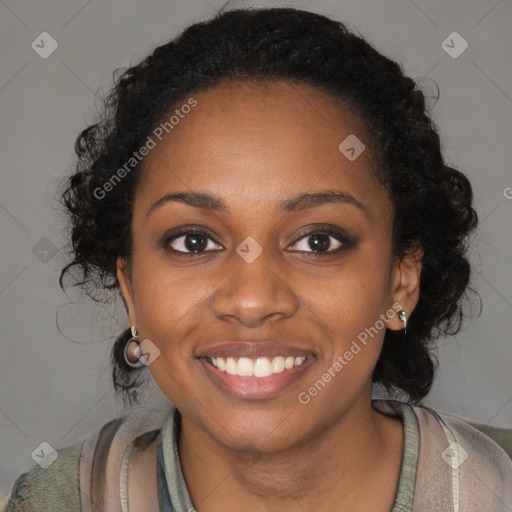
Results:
<point x="258" y="244"/>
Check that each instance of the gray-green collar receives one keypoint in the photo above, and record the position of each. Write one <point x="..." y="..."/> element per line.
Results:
<point x="173" y="495"/>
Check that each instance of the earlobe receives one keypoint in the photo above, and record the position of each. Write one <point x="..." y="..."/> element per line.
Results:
<point x="125" y="283"/>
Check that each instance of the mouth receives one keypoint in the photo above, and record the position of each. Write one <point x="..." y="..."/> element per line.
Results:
<point x="257" y="377"/>
<point x="260" y="367"/>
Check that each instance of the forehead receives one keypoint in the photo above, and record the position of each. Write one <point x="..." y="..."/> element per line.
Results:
<point x="254" y="142"/>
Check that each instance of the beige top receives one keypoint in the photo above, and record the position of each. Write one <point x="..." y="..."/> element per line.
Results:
<point x="132" y="465"/>
<point x="458" y="469"/>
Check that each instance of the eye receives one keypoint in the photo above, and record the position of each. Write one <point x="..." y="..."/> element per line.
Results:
<point x="191" y="241"/>
<point x="322" y="241"/>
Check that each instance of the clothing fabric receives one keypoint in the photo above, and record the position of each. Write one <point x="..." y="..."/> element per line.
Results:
<point x="130" y="466"/>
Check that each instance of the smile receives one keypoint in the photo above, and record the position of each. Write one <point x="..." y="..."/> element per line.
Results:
<point x="255" y="378"/>
<point x="257" y="367"/>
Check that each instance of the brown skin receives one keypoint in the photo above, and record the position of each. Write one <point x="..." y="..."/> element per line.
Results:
<point x="255" y="145"/>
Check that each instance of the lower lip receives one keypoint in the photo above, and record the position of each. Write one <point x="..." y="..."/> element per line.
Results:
<point x="255" y="388"/>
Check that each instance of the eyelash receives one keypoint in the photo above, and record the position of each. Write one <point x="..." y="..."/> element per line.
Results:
<point x="339" y="235"/>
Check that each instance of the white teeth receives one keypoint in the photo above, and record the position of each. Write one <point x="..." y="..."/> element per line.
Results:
<point x="260" y="367"/>
<point x="231" y="366"/>
<point x="245" y="367"/>
<point x="278" y="364"/>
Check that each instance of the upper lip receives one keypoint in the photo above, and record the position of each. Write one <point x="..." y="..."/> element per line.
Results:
<point x="252" y="349"/>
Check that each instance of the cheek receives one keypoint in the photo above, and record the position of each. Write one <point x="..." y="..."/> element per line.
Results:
<point x="168" y="311"/>
<point x="351" y="298"/>
<point x="349" y="306"/>
<point x="166" y="301"/>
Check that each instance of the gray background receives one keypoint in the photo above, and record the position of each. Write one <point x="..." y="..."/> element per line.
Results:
<point x="56" y="386"/>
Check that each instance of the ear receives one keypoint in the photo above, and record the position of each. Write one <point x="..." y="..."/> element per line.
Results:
<point x="125" y="283"/>
<point x="405" y="285"/>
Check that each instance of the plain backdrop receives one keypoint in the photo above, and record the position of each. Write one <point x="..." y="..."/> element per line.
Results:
<point x="55" y="378"/>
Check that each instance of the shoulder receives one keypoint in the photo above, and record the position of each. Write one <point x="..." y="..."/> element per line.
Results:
<point x="502" y="436"/>
<point x="56" y="483"/>
<point x="52" y="488"/>
<point x="484" y="442"/>
<point x="487" y="439"/>
<point x="458" y="467"/>
<point x="470" y="468"/>
<point x="94" y="473"/>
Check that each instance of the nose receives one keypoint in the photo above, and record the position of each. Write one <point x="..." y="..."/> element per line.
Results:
<point x="254" y="293"/>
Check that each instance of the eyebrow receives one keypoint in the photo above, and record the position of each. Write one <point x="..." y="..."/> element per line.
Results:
<point x="300" y="202"/>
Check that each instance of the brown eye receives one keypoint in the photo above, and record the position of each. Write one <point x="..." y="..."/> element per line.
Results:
<point x="189" y="242"/>
<point x="319" y="242"/>
<point x="324" y="241"/>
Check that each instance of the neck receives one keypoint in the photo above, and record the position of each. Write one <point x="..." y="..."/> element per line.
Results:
<point x="335" y="468"/>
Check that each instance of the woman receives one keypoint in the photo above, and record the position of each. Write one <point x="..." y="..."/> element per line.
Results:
<point x="268" y="193"/>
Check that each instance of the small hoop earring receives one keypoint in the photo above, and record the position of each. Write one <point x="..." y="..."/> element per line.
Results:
<point x="133" y="350"/>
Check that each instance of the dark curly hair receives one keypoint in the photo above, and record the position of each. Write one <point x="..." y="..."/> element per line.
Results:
<point x="432" y="201"/>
